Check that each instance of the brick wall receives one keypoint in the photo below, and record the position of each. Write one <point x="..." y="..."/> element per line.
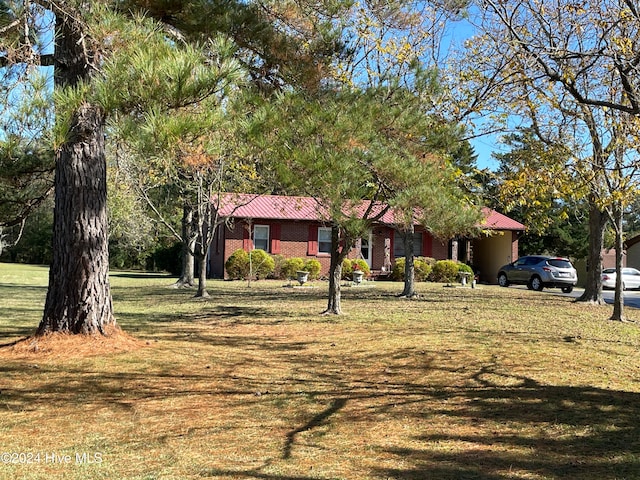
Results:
<point x="439" y="250"/>
<point x="294" y="243"/>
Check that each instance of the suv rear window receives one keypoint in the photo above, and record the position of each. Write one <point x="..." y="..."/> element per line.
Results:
<point x="559" y="263"/>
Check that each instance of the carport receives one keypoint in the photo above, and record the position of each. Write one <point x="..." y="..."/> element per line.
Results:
<point x="496" y="246"/>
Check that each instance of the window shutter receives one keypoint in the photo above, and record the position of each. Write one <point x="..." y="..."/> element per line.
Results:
<point x="427" y="244"/>
<point x="312" y="241"/>
<point x="275" y="238"/>
<point x="246" y="238"/>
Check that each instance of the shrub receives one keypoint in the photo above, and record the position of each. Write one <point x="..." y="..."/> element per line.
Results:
<point x="362" y="265"/>
<point x="261" y="263"/>
<point x="278" y="262"/>
<point x="290" y="266"/>
<point x="422" y="269"/>
<point x="313" y="266"/>
<point x="237" y="265"/>
<point x="397" y="271"/>
<point x="168" y="258"/>
<point x="347" y="269"/>
<point x="445" y="271"/>
<point x="348" y="266"/>
<point x="429" y="261"/>
<point x="463" y="267"/>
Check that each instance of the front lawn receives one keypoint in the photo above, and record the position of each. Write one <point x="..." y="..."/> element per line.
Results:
<point x="253" y="383"/>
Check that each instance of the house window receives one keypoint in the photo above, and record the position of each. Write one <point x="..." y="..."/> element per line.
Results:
<point x="398" y="244"/>
<point x="261" y="237"/>
<point x="324" y="240"/>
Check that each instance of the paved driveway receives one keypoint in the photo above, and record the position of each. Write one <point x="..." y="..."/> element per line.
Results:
<point x="631" y="297"/>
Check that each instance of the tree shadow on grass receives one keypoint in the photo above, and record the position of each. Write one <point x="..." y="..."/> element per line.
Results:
<point x="569" y="433"/>
<point x="502" y="425"/>
<point x="252" y="474"/>
<point x="321" y="418"/>
<point x="141" y="275"/>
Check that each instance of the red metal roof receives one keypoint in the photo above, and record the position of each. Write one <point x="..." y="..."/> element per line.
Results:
<point x="280" y="207"/>
<point x="497" y="221"/>
<point x="270" y="207"/>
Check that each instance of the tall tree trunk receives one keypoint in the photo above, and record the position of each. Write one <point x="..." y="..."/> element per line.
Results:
<point x="597" y="224"/>
<point x="618" y="301"/>
<point x="409" y="266"/>
<point x="334" y="306"/>
<point x="79" y="297"/>
<point x="202" y="277"/>
<point x="206" y="223"/>
<point x="188" y="247"/>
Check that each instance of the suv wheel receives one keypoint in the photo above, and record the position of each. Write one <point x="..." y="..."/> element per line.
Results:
<point x="536" y="284"/>
<point x="503" y="281"/>
<point x="568" y="289"/>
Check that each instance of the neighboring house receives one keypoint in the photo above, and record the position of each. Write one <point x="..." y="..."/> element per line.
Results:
<point x="299" y="227"/>
<point x="633" y="252"/>
<point x="608" y="261"/>
<point x="609" y="258"/>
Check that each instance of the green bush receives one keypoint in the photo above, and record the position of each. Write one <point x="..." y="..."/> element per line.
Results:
<point x="167" y="258"/>
<point x="347" y="269"/>
<point x="290" y="266"/>
<point x="445" y="271"/>
<point x="312" y="266"/>
<point x="261" y="264"/>
<point x="463" y="267"/>
<point x="429" y="261"/>
<point x="237" y="265"/>
<point x="422" y="269"/>
<point x="397" y="271"/>
<point x="348" y="266"/>
<point x="362" y="265"/>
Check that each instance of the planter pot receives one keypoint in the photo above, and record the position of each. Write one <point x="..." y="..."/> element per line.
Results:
<point x="302" y="277"/>
<point x="358" y="275"/>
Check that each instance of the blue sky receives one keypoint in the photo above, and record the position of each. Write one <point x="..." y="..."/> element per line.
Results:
<point x="484" y="147"/>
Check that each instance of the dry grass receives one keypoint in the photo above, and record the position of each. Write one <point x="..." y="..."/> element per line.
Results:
<point x="254" y="384"/>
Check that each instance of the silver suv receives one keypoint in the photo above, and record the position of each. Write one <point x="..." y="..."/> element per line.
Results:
<point x="537" y="272"/>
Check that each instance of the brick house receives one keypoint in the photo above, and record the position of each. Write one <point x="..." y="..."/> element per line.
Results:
<point x="632" y="253"/>
<point x="298" y="227"/>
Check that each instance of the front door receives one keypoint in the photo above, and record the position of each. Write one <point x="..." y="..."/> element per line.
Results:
<point x="366" y="248"/>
